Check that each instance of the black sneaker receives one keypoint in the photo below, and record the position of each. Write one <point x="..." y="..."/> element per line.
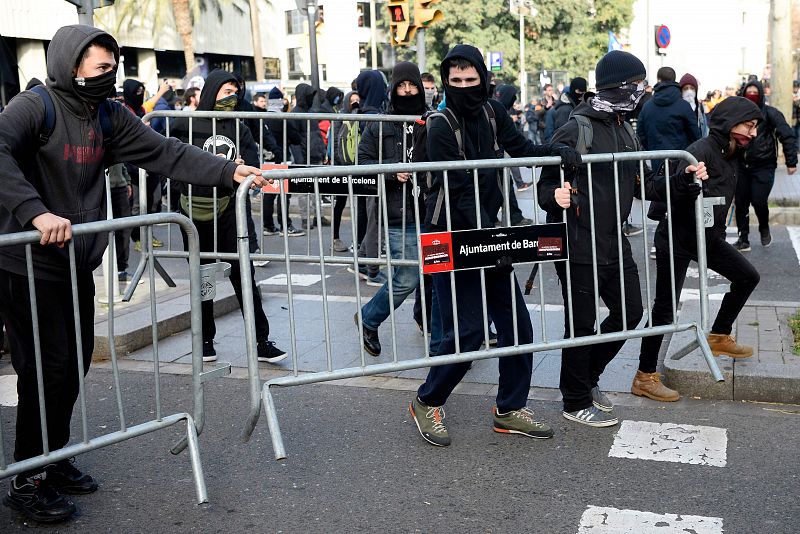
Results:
<point x="742" y="245"/>
<point x="209" y="352"/>
<point x="370" y="340"/>
<point x="270" y="231"/>
<point x="268" y="352"/>
<point x="766" y="237"/>
<point x="630" y="230"/>
<point x="293" y="232"/>
<point x="123" y="276"/>
<point x="37" y="500"/>
<point x="64" y="477"/>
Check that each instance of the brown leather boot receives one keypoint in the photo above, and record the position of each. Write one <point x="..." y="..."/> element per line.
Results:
<point x="649" y="385"/>
<point x="726" y="345"/>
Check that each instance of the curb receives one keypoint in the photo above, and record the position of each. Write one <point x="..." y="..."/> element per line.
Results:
<point x="134" y="330"/>
<point x="745" y="380"/>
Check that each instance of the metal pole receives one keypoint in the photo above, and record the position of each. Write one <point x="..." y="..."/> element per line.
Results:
<point x="780" y="20"/>
<point x="421" y="53"/>
<point x="374" y="31"/>
<point x="86" y="13"/>
<point x="523" y="89"/>
<point x="312" y="44"/>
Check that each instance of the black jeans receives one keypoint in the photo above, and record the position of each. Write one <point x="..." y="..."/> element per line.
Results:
<point x="59" y="354"/>
<point x="753" y="187"/>
<point x="581" y="367"/>
<point x="121" y="207"/>
<point x="269" y="201"/>
<point x="226" y="242"/>
<point x="338" y="211"/>
<point x="515" y="371"/>
<point x="722" y="258"/>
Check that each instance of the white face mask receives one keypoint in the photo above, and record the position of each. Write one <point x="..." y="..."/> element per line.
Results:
<point x="689" y="95"/>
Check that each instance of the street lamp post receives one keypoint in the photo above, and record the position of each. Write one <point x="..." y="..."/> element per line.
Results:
<point x="309" y="8"/>
<point x="522" y="8"/>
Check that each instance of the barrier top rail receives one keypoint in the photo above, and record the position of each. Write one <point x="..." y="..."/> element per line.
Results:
<point x="357" y="117"/>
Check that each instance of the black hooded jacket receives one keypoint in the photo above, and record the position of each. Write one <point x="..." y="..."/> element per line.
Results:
<point x="478" y="144"/>
<point x="762" y="152"/>
<point x="396" y="143"/>
<point x="65" y="176"/>
<point x="225" y="141"/>
<point x="722" y="166"/>
<point x="133" y="94"/>
<point x="330" y="102"/>
<point x="308" y="130"/>
<point x="667" y="121"/>
<point x="609" y="135"/>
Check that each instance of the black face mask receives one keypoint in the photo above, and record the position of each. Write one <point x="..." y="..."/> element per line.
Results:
<point x="466" y="101"/>
<point x="97" y="88"/>
<point x="407" y="105"/>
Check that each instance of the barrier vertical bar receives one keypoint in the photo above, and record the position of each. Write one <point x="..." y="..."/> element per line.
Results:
<point x="112" y="347"/>
<point x="619" y="249"/>
<point x="37" y="349"/>
<point x="154" y="325"/>
<point x="646" y="245"/>
<point x="76" y="316"/>
<point x="482" y="270"/>
<point x="452" y="273"/>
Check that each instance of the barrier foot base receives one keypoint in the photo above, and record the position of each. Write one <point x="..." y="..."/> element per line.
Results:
<point x="197" y="464"/>
<point x="272" y="423"/>
<point x="685" y="351"/>
<point x="710" y="360"/>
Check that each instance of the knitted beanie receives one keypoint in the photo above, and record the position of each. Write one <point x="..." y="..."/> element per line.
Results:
<point x="688" y="79"/>
<point x="617" y="68"/>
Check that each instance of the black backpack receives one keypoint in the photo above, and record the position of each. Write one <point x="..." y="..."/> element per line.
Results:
<point x="104" y="114"/>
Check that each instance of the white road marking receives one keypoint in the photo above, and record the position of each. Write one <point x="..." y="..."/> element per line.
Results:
<point x="8" y="390"/>
<point x="693" y="272"/>
<point x="297" y="280"/>
<point x="604" y="520"/>
<point x="794" y="235"/>
<point x="694" y="294"/>
<point x="671" y="442"/>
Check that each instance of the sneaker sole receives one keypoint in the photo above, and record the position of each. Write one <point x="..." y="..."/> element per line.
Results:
<point x="735" y="357"/>
<point x="598" y="424"/>
<point x="360" y="275"/>
<point x="414" y="417"/>
<point x="642" y="393"/>
<point x="370" y="352"/>
<point x="603" y="408"/>
<point x="274" y="359"/>
<point x="14" y="505"/>
<point x="747" y="249"/>
<point x="501" y="430"/>
<point x="208" y="359"/>
<point x="375" y="284"/>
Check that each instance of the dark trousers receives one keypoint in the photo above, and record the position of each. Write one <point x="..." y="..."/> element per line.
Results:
<point x="515" y="371"/>
<point x="722" y="258"/>
<point x="270" y="215"/>
<point x="153" y="191"/>
<point x="753" y="187"/>
<point x="362" y="218"/>
<point x="59" y="354"/>
<point x="338" y="211"/>
<point x="226" y="242"/>
<point x="581" y="367"/>
<point x="427" y="286"/>
<point x="121" y="207"/>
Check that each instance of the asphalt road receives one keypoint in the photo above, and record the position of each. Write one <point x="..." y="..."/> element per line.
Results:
<point x="357" y="464"/>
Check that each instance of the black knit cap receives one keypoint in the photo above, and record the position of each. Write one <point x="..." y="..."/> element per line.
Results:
<point x="617" y="68"/>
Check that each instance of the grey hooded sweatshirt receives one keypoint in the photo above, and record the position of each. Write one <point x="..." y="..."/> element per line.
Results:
<point x="65" y="176"/>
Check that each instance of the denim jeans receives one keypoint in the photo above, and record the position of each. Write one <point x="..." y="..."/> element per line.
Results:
<point x="404" y="279"/>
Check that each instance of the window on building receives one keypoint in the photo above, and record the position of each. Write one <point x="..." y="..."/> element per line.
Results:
<point x="295" y="62"/>
<point x="294" y="22"/>
<point x="131" y="61"/>
<point x="272" y="67"/>
<point x="363" y="10"/>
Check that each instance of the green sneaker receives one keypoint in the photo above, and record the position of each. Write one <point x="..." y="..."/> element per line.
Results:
<point x="521" y="422"/>
<point x="430" y="422"/>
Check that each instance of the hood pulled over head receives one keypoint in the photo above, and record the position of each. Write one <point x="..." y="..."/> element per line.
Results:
<point x="466" y="101"/>
<point x="728" y="113"/>
<point x="305" y="95"/>
<point x="371" y="87"/>
<point x="506" y="95"/>
<point x="406" y="71"/>
<point x="214" y="82"/>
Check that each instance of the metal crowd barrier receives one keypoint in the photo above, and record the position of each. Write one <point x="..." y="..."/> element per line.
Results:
<point x="170" y="251"/>
<point x="259" y="394"/>
<point x="194" y="421"/>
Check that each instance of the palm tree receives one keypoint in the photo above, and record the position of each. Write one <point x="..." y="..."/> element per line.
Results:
<point x="258" y="58"/>
<point x="165" y="13"/>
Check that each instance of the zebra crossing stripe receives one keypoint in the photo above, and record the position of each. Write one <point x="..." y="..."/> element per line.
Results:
<point x="671" y="442"/>
<point x="604" y="520"/>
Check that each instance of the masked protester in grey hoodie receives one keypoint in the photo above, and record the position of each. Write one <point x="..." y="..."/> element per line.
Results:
<point x="49" y="188"/>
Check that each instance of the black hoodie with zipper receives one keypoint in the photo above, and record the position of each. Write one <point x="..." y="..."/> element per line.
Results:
<point x="762" y="152"/>
<point x="609" y="135"/>
<point x="722" y="166"/>
<point x="479" y="143"/>
<point x="66" y="176"/>
<point x="392" y="141"/>
<point x="228" y="131"/>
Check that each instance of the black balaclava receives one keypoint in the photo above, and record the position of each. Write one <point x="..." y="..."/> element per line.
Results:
<point x="412" y="104"/>
<point x="133" y="93"/>
<point x="465" y="101"/>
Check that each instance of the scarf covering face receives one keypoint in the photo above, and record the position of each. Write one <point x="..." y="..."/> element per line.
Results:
<point x="618" y="99"/>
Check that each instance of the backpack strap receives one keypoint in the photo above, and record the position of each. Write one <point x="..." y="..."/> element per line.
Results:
<point x="104" y="115"/>
<point x="629" y="128"/>
<point x="49" y="114"/>
<point x="488" y="112"/>
<point x="585" y="133"/>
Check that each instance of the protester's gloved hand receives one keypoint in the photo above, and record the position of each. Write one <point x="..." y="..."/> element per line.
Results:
<point x="570" y="158"/>
<point x="504" y="265"/>
<point x="686" y="187"/>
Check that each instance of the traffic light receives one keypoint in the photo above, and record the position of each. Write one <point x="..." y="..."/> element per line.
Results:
<point x="401" y="29"/>
<point x="424" y="14"/>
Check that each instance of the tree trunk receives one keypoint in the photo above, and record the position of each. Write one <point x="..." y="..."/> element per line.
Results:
<point x="183" y="23"/>
<point x="258" y="54"/>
